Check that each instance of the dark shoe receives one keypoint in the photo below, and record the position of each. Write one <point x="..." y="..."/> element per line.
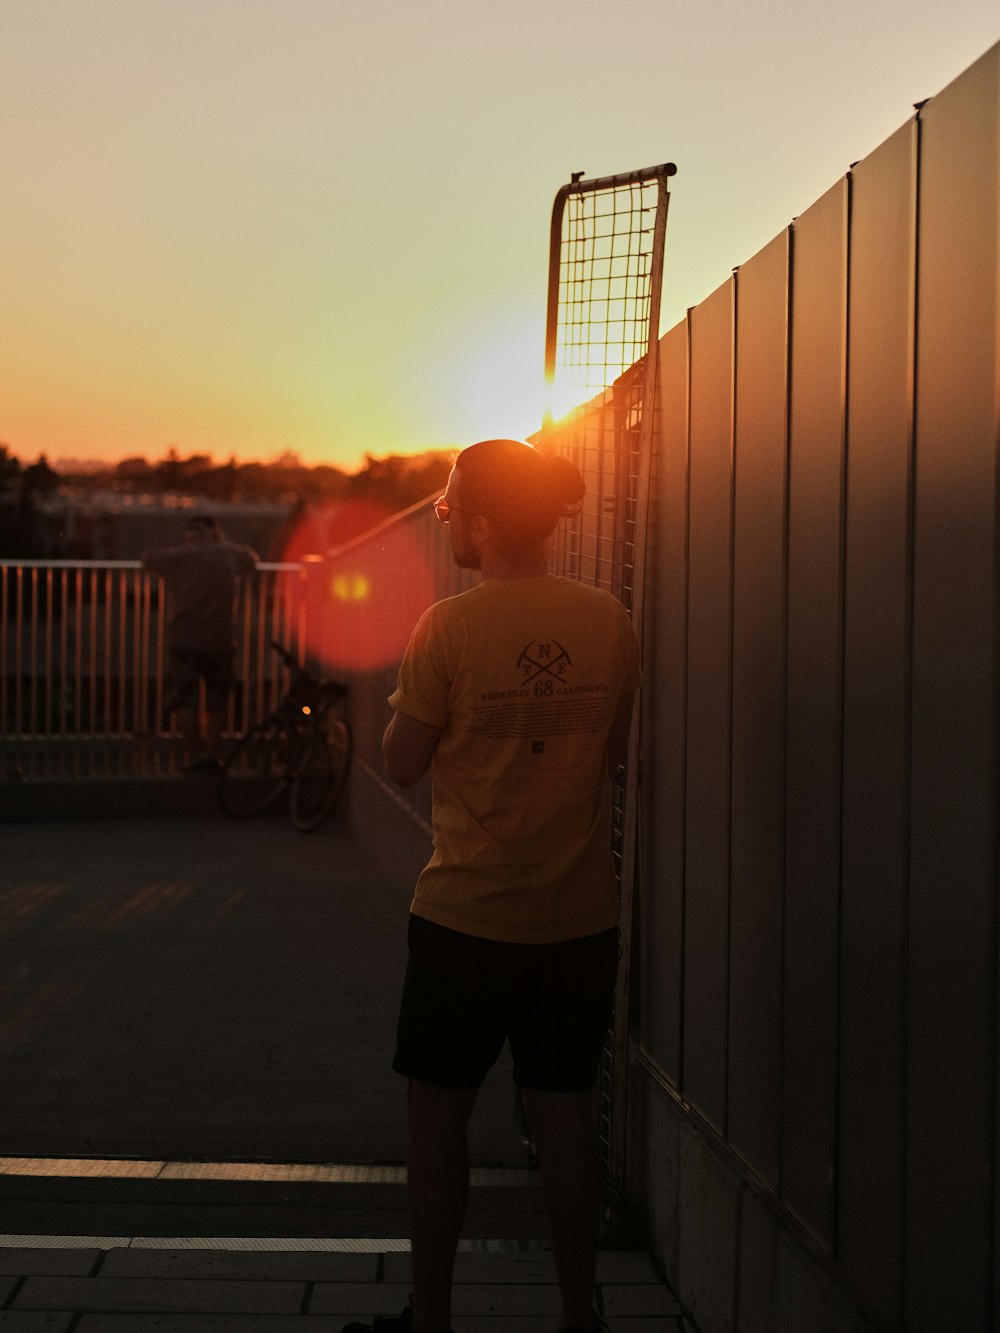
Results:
<point x="402" y="1323"/>
<point x="206" y="766"/>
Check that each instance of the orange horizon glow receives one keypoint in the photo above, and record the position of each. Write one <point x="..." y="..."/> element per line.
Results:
<point x="500" y="393"/>
<point x="243" y="229"/>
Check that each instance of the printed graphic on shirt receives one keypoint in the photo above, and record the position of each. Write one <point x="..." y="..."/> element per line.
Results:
<point x="544" y="700"/>
<point x="543" y="663"/>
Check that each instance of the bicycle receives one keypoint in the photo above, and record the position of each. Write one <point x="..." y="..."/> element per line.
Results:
<point x="304" y="746"/>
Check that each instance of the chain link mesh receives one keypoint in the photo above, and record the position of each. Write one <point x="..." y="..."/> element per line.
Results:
<point x="606" y="263"/>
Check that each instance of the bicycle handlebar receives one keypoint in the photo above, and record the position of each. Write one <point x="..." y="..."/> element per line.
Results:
<point x="283" y="652"/>
<point x="334" y="687"/>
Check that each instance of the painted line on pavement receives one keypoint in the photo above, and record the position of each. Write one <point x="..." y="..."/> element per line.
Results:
<point x="289" y="1244"/>
<point x="310" y="1172"/>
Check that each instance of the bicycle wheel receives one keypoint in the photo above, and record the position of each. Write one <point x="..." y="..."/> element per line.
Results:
<point x="256" y="770"/>
<point x="317" y="783"/>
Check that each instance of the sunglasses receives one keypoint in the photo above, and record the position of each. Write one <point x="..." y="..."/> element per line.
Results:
<point x="444" y="510"/>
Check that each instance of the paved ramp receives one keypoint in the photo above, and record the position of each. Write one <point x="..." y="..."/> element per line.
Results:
<point x="192" y="988"/>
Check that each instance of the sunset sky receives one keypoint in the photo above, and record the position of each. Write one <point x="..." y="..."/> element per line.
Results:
<point x="246" y="226"/>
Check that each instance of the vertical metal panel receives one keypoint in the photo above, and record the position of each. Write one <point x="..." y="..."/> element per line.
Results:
<point x="954" y="809"/>
<point x="889" y="1114"/>
<point x="876" y="712"/>
<point x="815" y="531"/>
<point x="708" y="697"/>
<point x="758" y="768"/>
<point x="662" y="890"/>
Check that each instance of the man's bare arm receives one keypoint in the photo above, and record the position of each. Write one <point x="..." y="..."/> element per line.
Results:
<point x="407" y="747"/>
<point x="621" y="724"/>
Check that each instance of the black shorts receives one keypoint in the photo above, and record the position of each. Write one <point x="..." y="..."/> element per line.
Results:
<point x="188" y="666"/>
<point x="464" y="997"/>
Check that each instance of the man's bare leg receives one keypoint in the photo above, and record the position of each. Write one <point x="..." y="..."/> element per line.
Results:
<point x="188" y="724"/>
<point x="438" y="1186"/>
<point x="563" y="1131"/>
<point x="213" y="734"/>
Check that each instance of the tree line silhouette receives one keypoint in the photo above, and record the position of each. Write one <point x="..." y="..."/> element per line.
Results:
<point x="388" y="484"/>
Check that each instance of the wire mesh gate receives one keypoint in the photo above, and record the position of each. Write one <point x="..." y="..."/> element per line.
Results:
<point x="602" y="330"/>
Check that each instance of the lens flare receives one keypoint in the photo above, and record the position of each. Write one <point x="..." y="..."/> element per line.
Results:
<point x="353" y="587"/>
<point x="316" y="528"/>
<point x="361" y="597"/>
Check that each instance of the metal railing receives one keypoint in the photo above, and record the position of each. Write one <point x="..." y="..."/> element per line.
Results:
<point x="83" y="664"/>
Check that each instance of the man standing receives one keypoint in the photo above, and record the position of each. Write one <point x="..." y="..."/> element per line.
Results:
<point x="203" y="578"/>
<point x="518" y="697"/>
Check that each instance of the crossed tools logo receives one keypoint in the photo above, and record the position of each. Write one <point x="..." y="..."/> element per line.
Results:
<point x="543" y="665"/>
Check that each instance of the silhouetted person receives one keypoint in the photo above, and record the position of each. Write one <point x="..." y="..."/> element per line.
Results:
<point x="518" y="696"/>
<point x="202" y="578"/>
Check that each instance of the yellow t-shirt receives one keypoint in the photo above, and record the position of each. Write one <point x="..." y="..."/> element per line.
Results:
<point x="524" y="676"/>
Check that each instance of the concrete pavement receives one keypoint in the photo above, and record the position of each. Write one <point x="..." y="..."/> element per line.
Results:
<point x="199" y="1129"/>
<point x="192" y="987"/>
<point x="138" y="1289"/>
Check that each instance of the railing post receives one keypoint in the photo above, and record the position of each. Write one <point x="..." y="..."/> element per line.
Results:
<point x="83" y="663"/>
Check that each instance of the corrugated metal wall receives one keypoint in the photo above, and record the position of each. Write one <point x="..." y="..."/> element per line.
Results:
<point x="819" y="891"/>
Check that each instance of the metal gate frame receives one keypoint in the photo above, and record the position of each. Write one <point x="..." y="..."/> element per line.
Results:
<point x="587" y="283"/>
